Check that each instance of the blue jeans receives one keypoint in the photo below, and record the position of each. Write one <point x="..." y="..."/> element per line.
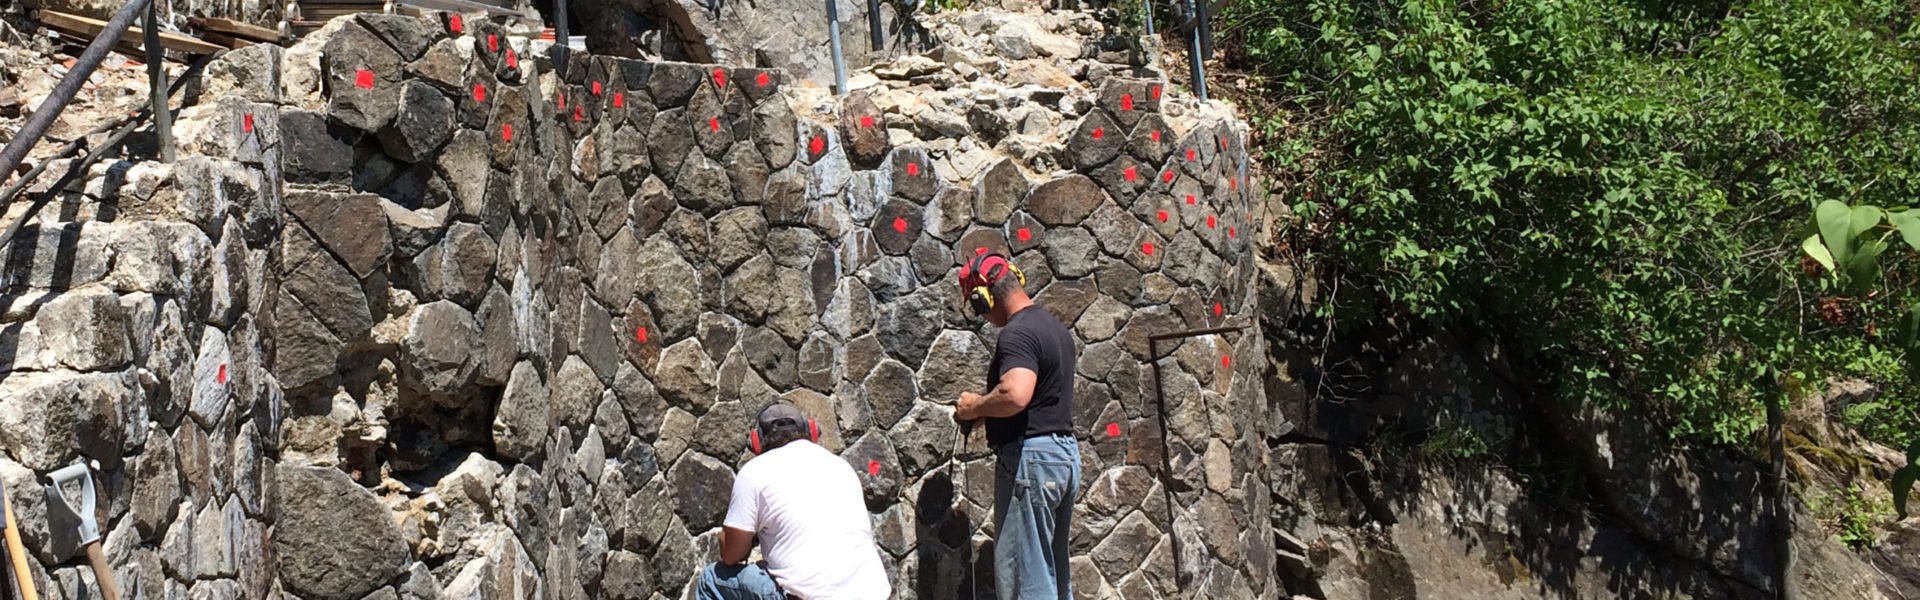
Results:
<point x="1034" y="485"/>
<point x="737" y="582"/>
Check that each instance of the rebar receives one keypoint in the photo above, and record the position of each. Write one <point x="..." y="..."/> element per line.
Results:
<point x="1166" y="447"/>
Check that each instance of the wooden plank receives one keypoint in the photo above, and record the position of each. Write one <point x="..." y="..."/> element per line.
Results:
<point x="86" y="27"/>
<point x="236" y="29"/>
<point x="227" y="40"/>
<point x="466" y="6"/>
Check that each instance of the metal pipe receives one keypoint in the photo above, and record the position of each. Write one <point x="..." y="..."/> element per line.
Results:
<point x="63" y="92"/>
<point x="1166" y="447"/>
<point x="876" y="27"/>
<point x="1206" y="29"/>
<point x="157" y="84"/>
<point x="833" y="40"/>
<point x="1146" y="9"/>
<point x="1194" y="67"/>
<point x="560" y="35"/>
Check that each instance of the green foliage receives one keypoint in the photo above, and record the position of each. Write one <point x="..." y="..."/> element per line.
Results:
<point x="1851" y="513"/>
<point x="1619" y="188"/>
<point x="1454" y="442"/>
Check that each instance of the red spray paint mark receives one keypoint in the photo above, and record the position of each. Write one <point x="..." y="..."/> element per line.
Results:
<point x="619" y="100"/>
<point x="363" y="79"/>
<point x="873" y="468"/>
<point x="762" y="80"/>
<point x="1156" y="92"/>
<point x="913" y="168"/>
<point x="1113" y="430"/>
<point x="578" y="115"/>
<point x="246" y="123"/>
<point x="1231" y="233"/>
<point x="1130" y="174"/>
<point x="1191" y="155"/>
<point x="1156" y="135"/>
<point x="1223" y="143"/>
<point x="1147" y="247"/>
<point x="720" y="78"/>
<point x="1163" y="216"/>
<point x="596" y="88"/>
<point x="1226" y="361"/>
<point x="1191" y="199"/>
<point x="900" y="224"/>
<point x="640" y="335"/>
<point x="506" y="132"/>
<point x="222" y="375"/>
<point x="1167" y="176"/>
<point x="454" y="24"/>
<point x="981" y="251"/>
<point x="1218" y="309"/>
<point x="513" y="60"/>
<point x="1024" y="234"/>
<point x="479" y="92"/>
<point x="713" y="123"/>
<point x="1233" y="184"/>
<point x="560" y="100"/>
<point x="1099" y="132"/>
<point x="818" y="145"/>
<point x="1126" y="102"/>
<point x="493" y="43"/>
<point x="1210" y="224"/>
<point x="866" y="120"/>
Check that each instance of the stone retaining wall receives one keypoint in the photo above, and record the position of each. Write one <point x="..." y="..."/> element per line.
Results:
<point x="419" y="315"/>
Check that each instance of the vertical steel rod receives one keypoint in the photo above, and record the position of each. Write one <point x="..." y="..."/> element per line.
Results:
<point x="876" y="27"/>
<point x="49" y="109"/>
<point x="157" y="80"/>
<point x="1206" y="29"/>
<point x="1194" y="66"/>
<point x="833" y="40"/>
<point x="560" y="34"/>
<point x="1146" y="9"/>
<point x="1166" y="461"/>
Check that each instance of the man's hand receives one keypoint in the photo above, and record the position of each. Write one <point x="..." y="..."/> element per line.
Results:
<point x="968" y="408"/>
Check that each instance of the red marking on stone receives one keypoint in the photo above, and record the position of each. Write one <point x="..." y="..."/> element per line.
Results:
<point x="873" y="468"/>
<point x="1191" y="199"/>
<point x="640" y="335"/>
<point x="1210" y="222"/>
<point x="493" y="43"/>
<point x="1223" y="143"/>
<point x="1167" y="176"/>
<point x="913" y="168"/>
<point x="762" y="80"/>
<point x="900" y="224"/>
<point x="454" y="24"/>
<point x="720" y="77"/>
<point x="506" y="132"/>
<point x="578" y="115"/>
<point x="596" y="88"/>
<point x="1156" y="135"/>
<point x="1126" y="102"/>
<point x="364" y="79"/>
<point x="1191" y="155"/>
<point x="560" y="100"/>
<point x="1218" y="309"/>
<point x="713" y="123"/>
<point x="1099" y="132"/>
<point x="981" y="251"/>
<point x="1232" y="233"/>
<point x="246" y="123"/>
<point x="1147" y="247"/>
<point x="222" y="375"/>
<point x="1156" y="92"/>
<point x="1163" y="216"/>
<point x="1025" y="235"/>
<point x="1226" y="361"/>
<point x="818" y="145"/>
<point x="1233" y="184"/>
<point x="866" y="120"/>
<point x="619" y="99"/>
<point x="1130" y="174"/>
<point x="479" y="92"/>
<point x="1113" y="430"/>
<point x="513" y="60"/>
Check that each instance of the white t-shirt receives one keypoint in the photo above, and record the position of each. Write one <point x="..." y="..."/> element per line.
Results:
<point x="805" y="505"/>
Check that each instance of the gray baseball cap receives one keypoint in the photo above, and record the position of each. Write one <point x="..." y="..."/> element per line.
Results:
<point x="773" y="414"/>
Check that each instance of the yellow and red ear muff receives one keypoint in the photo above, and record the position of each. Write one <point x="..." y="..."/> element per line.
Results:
<point x="979" y="275"/>
<point x="753" y="437"/>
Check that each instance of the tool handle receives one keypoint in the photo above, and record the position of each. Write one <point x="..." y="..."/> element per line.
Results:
<point x="102" y="572"/>
<point x="17" y="554"/>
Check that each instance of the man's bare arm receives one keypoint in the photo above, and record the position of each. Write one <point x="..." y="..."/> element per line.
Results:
<point x="1005" y="400"/>
<point x="735" y="545"/>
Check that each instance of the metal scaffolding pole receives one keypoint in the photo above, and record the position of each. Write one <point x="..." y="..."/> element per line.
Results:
<point x="833" y="40"/>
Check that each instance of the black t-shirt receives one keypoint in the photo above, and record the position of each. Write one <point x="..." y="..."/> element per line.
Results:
<point x="1033" y="339"/>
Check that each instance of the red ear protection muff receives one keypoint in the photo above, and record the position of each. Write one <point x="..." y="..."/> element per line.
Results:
<point x="753" y="437"/>
<point x="978" y="277"/>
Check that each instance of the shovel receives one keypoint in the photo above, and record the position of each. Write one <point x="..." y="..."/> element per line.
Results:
<point x="87" y="532"/>
<point x="16" y="551"/>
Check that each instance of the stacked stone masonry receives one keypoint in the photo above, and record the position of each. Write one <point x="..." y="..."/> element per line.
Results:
<point x="421" y="314"/>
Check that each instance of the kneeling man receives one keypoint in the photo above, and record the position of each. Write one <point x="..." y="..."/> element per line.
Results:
<point x="805" y="506"/>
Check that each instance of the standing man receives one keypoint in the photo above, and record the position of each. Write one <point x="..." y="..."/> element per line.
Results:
<point x="805" y="506"/>
<point x="1029" y="414"/>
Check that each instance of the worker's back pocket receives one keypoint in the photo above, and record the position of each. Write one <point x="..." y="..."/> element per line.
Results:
<point x="1047" y="483"/>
